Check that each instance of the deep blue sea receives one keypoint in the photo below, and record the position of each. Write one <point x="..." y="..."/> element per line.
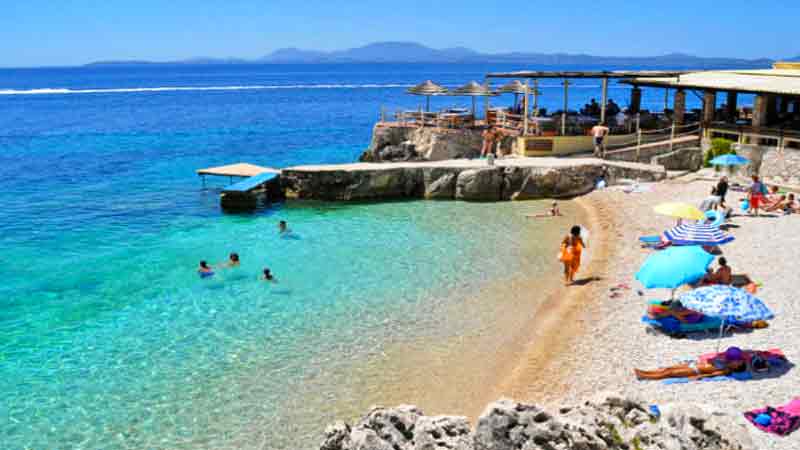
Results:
<point x="108" y="338"/>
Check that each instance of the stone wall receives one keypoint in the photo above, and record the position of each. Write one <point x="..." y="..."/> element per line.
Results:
<point x="689" y="158"/>
<point x="471" y="183"/>
<point x="607" y="422"/>
<point x="413" y="143"/>
<point x="778" y="167"/>
<point x="649" y="151"/>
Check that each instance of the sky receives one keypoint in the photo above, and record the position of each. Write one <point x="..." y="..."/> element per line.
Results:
<point x="73" y="32"/>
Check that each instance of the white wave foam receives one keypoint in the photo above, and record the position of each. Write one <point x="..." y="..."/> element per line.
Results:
<point x="51" y="91"/>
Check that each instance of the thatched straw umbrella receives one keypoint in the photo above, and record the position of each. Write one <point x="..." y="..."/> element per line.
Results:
<point x="427" y="89"/>
<point x="473" y="89"/>
<point x="513" y="87"/>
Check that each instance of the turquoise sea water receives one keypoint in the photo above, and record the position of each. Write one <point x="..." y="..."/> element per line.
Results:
<point x="108" y="338"/>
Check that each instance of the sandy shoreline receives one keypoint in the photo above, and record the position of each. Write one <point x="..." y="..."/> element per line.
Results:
<point x="611" y="340"/>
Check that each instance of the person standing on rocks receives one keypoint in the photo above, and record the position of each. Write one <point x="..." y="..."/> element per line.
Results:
<point x="599" y="132"/>
<point x="490" y="137"/>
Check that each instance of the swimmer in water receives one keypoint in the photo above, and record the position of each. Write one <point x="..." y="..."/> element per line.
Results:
<point x="204" y="270"/>
<point x="233" y="260"/>
<point x="267" y="276"/>
<point x="283" y="228"/>
<point x="552" y="212"/>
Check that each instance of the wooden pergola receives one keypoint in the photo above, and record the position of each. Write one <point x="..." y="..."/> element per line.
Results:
<point x="533" y="77"/>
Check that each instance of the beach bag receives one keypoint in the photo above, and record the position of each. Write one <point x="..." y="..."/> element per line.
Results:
<point x="565" y="255"/>
<point x="745" y="205"/>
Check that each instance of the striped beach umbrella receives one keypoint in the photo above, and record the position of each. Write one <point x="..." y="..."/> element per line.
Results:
<point x="694" y="233"/>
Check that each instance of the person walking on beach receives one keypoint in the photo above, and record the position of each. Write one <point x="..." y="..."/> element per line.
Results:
<point x="599" y="132"/>
<point x="722" y="189"/>
<point x="757" y="192"/>
<point x="571" y="248"/>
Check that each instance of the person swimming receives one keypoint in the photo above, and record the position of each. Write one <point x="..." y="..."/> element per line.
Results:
<point x="205" y="271"/>
<point x="552" y="212"/>
<point x="233" y="260"/>
<point x="283" y="228"/>
<point x="267" y="276"/>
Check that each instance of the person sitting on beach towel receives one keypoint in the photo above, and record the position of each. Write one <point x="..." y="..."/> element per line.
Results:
<point x="790" y="206"/>
<point x="782" y="420"/>
<point x="723" y="275"/>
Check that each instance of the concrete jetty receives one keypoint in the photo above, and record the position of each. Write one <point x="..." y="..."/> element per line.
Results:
<point x="515" y="178"/>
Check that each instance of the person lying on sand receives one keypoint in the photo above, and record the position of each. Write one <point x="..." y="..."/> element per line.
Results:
<point x="732" y="361"/>
<point x="552" y="212"/>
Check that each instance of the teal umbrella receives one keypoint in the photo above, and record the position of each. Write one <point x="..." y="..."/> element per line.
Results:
<point x="674" y="267"/>
<point x="729" y="160"/>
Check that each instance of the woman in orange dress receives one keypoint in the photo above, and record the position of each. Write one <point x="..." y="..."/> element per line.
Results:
<point x="571" y="248"/>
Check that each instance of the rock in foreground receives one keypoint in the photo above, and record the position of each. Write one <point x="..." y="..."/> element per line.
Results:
<point x="609" y="422"/>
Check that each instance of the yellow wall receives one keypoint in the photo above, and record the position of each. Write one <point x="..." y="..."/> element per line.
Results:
<point x="567" y="145"/>
<point x="786" y="65"/>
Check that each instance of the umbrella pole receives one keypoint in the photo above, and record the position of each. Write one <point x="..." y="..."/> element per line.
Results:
<point x="427" y="103"/>
<point x="721" y="330"/>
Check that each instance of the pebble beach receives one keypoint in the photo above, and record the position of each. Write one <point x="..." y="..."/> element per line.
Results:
<point x="613" y="340"/>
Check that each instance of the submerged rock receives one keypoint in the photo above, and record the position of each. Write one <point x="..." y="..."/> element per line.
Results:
<point x="607" y="422"/>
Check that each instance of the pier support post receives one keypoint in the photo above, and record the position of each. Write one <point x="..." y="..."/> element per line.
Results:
<point x="709" y="107"/>
<point x="636" y="100"/>
<point x="604" y="101"/>
<point x="680" y="106"/>
<point x="566" y="108"/>
<point x="731" y="106"/>
<point x="760" y="113"/>
<point x="525" y="109"/>
<point x="772" y="109"/>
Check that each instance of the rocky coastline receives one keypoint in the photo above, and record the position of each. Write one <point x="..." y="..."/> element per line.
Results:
<point x="606" y="422"/>
<point x="470" y="180"/>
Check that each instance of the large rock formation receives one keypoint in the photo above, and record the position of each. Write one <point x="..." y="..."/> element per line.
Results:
<point x="413" y="143"/>
<point x="689" y="158"/>
<point x="608" y="422"/>
<point x="513" y="179"/>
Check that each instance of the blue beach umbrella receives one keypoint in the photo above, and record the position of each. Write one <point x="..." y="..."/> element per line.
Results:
<point x="726" y="302"/>
<point x="729" y="160"/>
<point x="674" y="267"/>
<point x="697" y="234"/>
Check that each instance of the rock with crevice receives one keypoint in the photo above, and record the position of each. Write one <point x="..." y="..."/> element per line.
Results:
<point x="483" y="184"/>
<point x="605" y="422"/>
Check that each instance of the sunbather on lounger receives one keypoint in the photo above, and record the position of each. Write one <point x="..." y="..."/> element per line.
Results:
<point x="731" y="361"/>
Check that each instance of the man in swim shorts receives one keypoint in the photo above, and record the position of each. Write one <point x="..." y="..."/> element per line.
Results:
<point x="599" y="132"/>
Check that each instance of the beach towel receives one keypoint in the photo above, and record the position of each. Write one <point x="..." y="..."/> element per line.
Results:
<point x="741" y="376"/>
<point x="782" y="420"/>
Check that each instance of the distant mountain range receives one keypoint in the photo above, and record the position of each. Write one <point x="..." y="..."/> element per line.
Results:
<point x="411" y="52"/>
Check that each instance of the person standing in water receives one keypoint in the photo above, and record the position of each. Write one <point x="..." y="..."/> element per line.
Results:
<point x="204" y="270"/>
<point x="571" y="248"/>
<point x="233" y="260"/>
<point x="283" y="228"/>
<point x="267" y="276"/>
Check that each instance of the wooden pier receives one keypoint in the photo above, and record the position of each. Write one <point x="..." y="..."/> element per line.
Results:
<point x="257" y="182"/>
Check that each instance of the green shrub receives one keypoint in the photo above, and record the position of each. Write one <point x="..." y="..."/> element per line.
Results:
<point x="719" y="146"/>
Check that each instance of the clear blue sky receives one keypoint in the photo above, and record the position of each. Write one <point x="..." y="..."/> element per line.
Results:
<point x="47" y="32"/>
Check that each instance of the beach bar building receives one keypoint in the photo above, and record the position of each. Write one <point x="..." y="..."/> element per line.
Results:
<point x="566" y="132"/>
<point x="766" y="130"/>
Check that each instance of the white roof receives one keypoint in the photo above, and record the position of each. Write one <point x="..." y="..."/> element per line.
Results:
<point x="768" y="81"/>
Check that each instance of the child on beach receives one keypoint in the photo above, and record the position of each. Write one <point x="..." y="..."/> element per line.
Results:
<point x="571" y="248"/>
<point x="756" y="194"/>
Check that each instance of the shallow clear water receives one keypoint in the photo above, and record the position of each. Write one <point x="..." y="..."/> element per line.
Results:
<point x="108" y="338"/>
